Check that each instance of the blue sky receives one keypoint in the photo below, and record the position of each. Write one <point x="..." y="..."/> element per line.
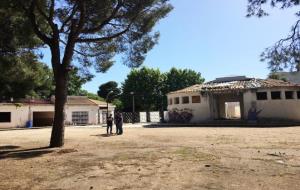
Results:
<point x="210" y="36"/>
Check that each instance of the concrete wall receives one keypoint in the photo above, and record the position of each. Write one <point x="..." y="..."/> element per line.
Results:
<point x="274" y="109"/>
<point x="20" y="115"/>
<point x="201" y="111"/>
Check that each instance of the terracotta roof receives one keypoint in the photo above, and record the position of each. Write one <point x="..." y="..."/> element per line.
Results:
<point x="80" y="100"/>
<point x="238" y="85"/>
<point x="101" y="103"/>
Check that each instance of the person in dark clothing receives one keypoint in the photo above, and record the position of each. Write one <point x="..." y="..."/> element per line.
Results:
<point x="109" y="124"/>
<point x="119" y="123"/>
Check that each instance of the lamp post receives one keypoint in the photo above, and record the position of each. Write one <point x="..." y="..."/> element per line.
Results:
<point x="107" y="96"/>
<point x="133" y="107"/>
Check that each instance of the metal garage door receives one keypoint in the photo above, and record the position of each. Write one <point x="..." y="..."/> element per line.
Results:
<point x="80" y="118"/>
<point x="42" y="119"/>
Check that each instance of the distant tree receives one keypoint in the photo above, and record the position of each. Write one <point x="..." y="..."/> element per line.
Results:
<point x="119" y="104"/>
<point x="285" y="54"/>
<point x="92" y="31"/>
<point x="110" y="86"/>
<point x="177" y="79"/>
<point x="76" y="80"/>
<point x="145" y="84"/>
<point x="277" y="76"/>
<point x="90" y="95"/>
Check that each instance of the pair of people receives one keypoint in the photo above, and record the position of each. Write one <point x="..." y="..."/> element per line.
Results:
<point x="118" y="122"/>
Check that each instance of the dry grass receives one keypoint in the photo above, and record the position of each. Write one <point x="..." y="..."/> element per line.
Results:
<point x="169" y="158"/>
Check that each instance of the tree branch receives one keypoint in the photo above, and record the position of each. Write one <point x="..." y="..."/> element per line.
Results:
<point x="36" y="29"/>
<point x="91" y="40"/>
<point x="106" y="21"/>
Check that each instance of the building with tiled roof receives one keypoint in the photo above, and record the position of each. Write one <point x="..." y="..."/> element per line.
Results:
<point x="237" y="98"/>
<point x="79" y="110"/>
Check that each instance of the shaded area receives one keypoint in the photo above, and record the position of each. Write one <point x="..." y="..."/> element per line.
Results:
<point x="103" y="135"/>
<point x="23" y="128"/>
<point x="26" y="153"/>
<point x="7" y="147"/>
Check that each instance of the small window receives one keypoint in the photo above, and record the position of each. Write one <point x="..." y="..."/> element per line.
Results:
<point x="261" y="95"/>
<point x="5" y="117"/>
<point x="185" y="100"/>
<point x="176" y="101"/>
<point x="276" y="95"/>
<point x="289" y="95"/>
<point x="170" y="101"/>
<point x="298" y="94"/>
<point x="196" y="99"/>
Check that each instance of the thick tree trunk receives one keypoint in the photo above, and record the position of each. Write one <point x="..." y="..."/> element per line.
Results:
<point x="57" y="135"/>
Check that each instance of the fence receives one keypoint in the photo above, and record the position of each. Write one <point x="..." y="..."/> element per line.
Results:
<point x="141" y="117"/>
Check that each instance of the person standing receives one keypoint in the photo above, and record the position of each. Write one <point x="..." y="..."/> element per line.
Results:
<point x="109" y="124"/>
<point x="119" y="123"/>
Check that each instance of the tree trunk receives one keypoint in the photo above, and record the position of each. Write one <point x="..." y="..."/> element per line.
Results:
<point x="57" y="135"/>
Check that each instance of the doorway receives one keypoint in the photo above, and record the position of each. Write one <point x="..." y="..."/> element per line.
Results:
<point x="232" y="110"/>
<point x="43" y="119"/>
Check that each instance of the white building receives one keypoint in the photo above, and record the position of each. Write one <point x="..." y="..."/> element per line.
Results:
<point x="232" y="98"/>
<point x="79" y="110"/>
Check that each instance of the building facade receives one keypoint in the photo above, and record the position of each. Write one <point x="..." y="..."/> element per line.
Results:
<point x="238" y="98"/>
<point x="79" y="110"/>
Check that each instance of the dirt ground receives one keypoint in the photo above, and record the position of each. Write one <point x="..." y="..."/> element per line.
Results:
<point x="152" y="158"/>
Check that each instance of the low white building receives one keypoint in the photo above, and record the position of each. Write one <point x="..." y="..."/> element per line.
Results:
<point x="79" y="110"/>
<point x="236" y="98"/>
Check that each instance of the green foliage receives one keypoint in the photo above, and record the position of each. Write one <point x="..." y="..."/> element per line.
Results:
<point x="24" y="76"/>
<point x="76" y="80"/>
<point x="108" y="87"/>
<point x="119" y="104"/>
<point x="276" y="76"/>
<point x="91" y="95"/>
<point x="150" y="87"/>
<point x="145" y="83"/>
<point x="284" y="54"/>
<point x="177" y="79"/>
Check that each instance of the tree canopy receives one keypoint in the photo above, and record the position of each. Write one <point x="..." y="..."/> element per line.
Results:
<point x="149" y="87"/>
<point x="284" y="54"/>
<point x="109" y="87"/>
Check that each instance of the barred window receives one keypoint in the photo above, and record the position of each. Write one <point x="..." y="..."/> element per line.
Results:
<point x="196" y="99"/>
<point x="185" y="100"/>
<point x="80" y="117"/>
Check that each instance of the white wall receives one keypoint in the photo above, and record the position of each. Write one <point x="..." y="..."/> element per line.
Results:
<point x="20" y="115"/>
<point x="201" y="111"/>
<point x="278" y="109"/>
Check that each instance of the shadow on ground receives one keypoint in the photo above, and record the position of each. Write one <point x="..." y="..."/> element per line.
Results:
<point x="103" y="135"/>
<point x="25" y="153"/>
<point x="8" y="147"/>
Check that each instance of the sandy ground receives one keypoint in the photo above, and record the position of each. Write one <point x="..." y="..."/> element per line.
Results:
<point x="160" y="158"/>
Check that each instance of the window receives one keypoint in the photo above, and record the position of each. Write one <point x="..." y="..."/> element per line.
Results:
<point x="176" y="101"/>
<point x="276" y="95"/>
<point x="261" y="95"/>
<point x="170" y="101"/>
<point x="289" y="95"/>
<point x="5" y="117"/>
<point x="298" y="94"/>
<point x="80" y="118"/>
<point x="185" y="100"/>
<point x="196" y="99"/>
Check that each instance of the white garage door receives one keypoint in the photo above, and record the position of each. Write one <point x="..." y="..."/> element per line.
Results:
<point x="80" y="117"/>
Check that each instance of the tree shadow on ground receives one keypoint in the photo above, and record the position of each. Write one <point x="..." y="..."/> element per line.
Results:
<point x="25" y="153"/>
<point x="8" y="147"/>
